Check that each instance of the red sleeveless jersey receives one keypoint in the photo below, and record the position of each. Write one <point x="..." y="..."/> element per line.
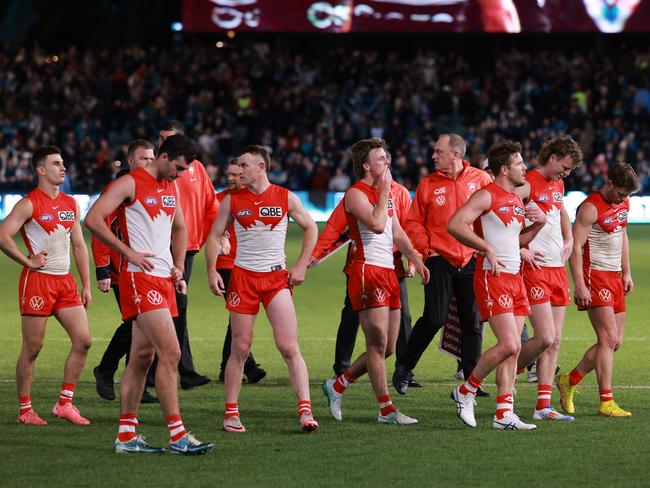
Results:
<point x="49" y="228"/>
<point x="604" y="246"/>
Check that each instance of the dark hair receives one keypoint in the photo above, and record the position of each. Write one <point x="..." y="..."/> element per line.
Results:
<point x="561" y="146"/>
<point x="178" y="145"/>
<point x="360" y="152"/>
<point x="137" y="144"/>
<point x="258" y="150"/>
<point x="623" y="176"/>
<point x="456" y="142"/>
<point x="233" y="161"/>
<point x="41" y="153"/>
<point x="500" y="154"/>
<point x="173" y="125"/>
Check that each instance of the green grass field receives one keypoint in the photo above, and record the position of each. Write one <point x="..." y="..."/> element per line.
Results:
<point x="440" y="450"/>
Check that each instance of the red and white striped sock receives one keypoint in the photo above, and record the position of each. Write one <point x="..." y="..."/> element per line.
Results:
<point x="606" y="395"/>
<point x="304" y="407"/>
<point x="176" y="427"/>
<point x="67" y="393"/>
<point x="232" y="410"/>
<point x="505" y="404"/>
<point x="343" y="382"/>
<point x="25" y="404"/>
<point x="543" y="396"/>
<point x="126" y="430"/>
<point x="471" y="385"/>
<point x="385" y="405"/>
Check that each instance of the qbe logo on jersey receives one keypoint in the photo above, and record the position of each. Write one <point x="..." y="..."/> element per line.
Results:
<point x="169" y="201"/>
<point x="270" y="211"/>
<point x="66" y="216"/>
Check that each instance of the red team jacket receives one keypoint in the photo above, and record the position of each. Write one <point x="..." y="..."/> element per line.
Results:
<point x="436" y="199"/>
<point x="227" y="261"/>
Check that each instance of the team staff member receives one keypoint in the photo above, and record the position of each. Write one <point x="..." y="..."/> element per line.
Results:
<point x="451" y="264"/>
<point x="200" y="205"/>
<point x="600" y="265"/>
<point x="225" y="265"/>
<point x="49" y="221"/>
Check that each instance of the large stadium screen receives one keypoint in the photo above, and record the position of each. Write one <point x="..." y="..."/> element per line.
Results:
<point x="348" y="16"/>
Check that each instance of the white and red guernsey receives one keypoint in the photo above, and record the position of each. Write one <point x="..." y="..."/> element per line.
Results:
<point x="500" y="226"/>
<point x="49" y="229"/>
<point x="261" y="224"/>
<point x="146" y="222"/>
<point x="604" y="245"/>
<point x="548" y="196"/>
<point x="367" y="246"/>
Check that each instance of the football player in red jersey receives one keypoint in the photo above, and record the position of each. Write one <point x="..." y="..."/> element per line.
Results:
<point x="260" y="214"/>
<point x="49" y="222"/>
<point x="600" y="265"/>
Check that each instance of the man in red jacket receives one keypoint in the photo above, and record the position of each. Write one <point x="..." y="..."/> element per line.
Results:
<point x="451" y="264"/>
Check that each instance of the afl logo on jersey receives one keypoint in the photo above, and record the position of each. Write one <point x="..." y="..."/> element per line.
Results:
<point x="169" y="201"/>
<point x="66" y="216"/>
<point x="609" y="220"/>
<point x="504" y="209"/>
<point x="151" y="201"/>
<point x="543" y="197"/>
<point x="270" y="211"/>
<point x="244" y="213"/>
<point x="46" y="217"/>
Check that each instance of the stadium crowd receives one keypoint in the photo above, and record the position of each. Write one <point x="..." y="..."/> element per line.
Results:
<point x="310" y="108"/>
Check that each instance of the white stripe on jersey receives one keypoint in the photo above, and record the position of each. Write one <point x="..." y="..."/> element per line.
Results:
<point x="504" y="239"/>
<point x="150" y="236"/>
<point x="260" y="247"/>
<point x="605" y="248"/>
<point x="56" y="244"/>
<point x="378" y="248"/>
<point x="549" y="239"/>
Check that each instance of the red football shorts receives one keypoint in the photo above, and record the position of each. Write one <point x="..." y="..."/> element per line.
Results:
<point x="372" y="286"/>
<point x="547" y="285"/>
<point x="247" y="289"/>
<point x="504" y="293"/>
<point x="141" y="292"/>
<point x="606" y="289"/>
<point x="42" y="293"/>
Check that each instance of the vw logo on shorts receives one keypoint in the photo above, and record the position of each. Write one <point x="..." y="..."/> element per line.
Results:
<point x="36" y="302"/>
<point x="536" y="293"/>
<point x="233" y="299"/>
<point x="379" y="294"/>
<point x="605" y="295"/>
<point x="154" y="297"/>
<point x="505" y="301"/>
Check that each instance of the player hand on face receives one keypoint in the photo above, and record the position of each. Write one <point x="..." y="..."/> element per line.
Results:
<point x="384" y="181"/>
<point x="215" y="282"/>
<point x="37" y="261"/>
<point x="531" y="257"/>
<point x="140" y="260"/>
<point x="104" y="285"/>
